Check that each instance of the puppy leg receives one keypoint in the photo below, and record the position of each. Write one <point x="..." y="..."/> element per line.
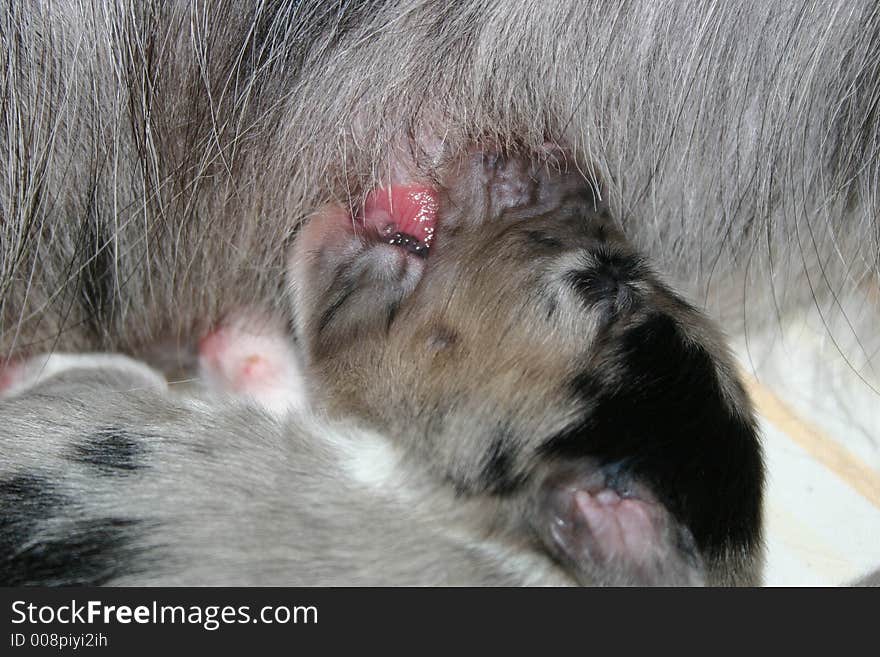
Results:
<point x="118" y="371"/>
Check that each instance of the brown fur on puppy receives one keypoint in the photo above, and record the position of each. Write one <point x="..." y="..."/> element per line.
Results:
<point x="534" y="358"/>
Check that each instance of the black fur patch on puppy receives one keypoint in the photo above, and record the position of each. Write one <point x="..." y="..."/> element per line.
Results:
<point x="90" y="553"/>
<point x="669" y="424"/>
<point x="606" y="282"/>
<point x="24" y="500"/>
<point x="111" y="451"/>
<point x="497" y="474"/>
<point x="42" y="543"/>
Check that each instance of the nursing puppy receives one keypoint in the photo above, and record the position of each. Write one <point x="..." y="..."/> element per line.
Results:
<point x="528" y="404"/>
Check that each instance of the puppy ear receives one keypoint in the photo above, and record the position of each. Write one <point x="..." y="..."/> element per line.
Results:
<point x="610" y="530"/>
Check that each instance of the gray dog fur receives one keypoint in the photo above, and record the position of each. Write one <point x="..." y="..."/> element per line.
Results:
<point x="159" y="155"/>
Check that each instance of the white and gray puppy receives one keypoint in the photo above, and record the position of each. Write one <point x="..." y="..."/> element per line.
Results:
<point x="527" y="404"/>
<point x="157" y="155"/>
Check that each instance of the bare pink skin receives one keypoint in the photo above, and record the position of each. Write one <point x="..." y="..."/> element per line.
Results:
<point x="621" y="527"/>
<point x="252" y="357"/>
<point x="11" y="374"/>
<point x="410" y="209"/>
<point x="406" y="208"/>
<point x="620" y="532"/>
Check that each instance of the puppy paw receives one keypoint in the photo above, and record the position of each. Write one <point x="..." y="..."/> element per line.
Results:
<point x="618" y="533"/>
<point x="252" y="356"/>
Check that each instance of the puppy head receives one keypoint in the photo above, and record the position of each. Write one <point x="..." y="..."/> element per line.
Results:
<point x="532" y="357"/>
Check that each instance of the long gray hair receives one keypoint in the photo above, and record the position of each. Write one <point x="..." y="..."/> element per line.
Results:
<point x="159" y="155"/>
